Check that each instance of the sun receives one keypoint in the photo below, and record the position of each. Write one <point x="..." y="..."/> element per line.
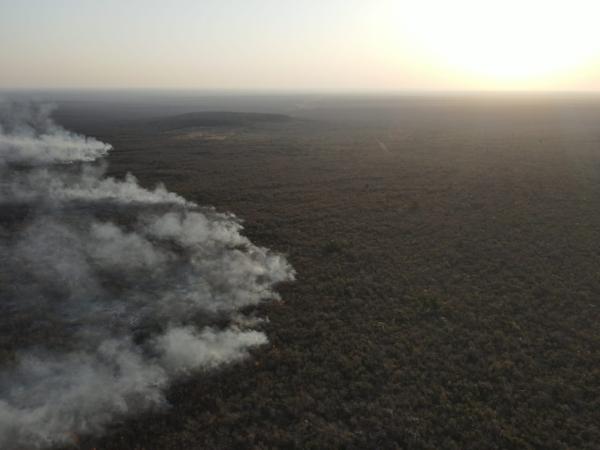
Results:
<point x="510" y="43"/>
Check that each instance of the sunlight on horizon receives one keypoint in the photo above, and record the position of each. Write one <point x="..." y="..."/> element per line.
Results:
<point x="509" y="44"/>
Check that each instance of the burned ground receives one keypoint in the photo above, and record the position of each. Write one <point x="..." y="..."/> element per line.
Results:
<point x="447" y="288"/>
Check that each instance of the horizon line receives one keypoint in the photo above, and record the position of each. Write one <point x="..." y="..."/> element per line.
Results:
<point x="292" y="91"/>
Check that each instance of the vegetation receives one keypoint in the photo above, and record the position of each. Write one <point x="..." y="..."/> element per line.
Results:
<point x="447" y="292"/>
<point x="215" y="119"/>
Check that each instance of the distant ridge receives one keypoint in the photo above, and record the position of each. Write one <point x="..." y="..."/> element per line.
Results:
<point x="216" y="119"/>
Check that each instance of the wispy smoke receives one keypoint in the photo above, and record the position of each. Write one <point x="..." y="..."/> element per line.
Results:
<point x="28" y="135"/>
<point x="114" y="289"/>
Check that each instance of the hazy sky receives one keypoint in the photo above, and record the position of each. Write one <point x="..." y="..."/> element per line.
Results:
<point x="301" y="44"/>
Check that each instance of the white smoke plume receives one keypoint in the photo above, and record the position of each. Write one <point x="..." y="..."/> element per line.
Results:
<point x="114" y="290"/>
<point x="28" y="135"/>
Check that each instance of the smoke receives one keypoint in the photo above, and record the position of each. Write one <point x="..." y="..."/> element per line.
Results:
<point x="108" y="290"/>
<point x="28" y="135"/>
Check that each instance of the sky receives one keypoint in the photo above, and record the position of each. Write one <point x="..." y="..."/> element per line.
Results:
<point x="340" y="45"/>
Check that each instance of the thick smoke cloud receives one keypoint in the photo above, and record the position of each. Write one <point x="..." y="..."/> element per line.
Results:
<point x="115" y="289"/>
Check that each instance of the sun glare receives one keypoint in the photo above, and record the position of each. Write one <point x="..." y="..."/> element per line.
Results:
<point x="507" y="43"/>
